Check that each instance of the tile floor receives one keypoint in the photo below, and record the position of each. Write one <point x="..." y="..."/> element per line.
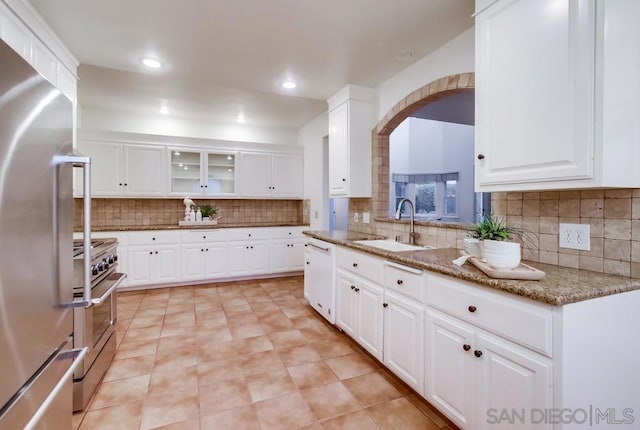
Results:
<point x="243" y="355"/>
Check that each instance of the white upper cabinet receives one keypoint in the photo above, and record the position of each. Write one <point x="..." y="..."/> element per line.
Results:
<point x="193" y="172"/>
<point x="124" y="170"/>
<point x="554" y="108"/>
<point x="271" y="175"/>
<point x="351" y="122"/>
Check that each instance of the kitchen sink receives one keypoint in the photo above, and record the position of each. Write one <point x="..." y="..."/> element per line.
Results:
<point x="391" y="245"/>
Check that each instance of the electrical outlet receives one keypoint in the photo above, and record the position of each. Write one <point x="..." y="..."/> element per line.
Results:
<point x="356" y="216"/>
<point x="575" y="236"/>
<point x="365" y="217"/>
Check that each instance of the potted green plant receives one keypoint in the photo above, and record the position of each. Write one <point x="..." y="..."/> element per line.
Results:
<point x="207" y="212"/>
<point x="495" y="242"/>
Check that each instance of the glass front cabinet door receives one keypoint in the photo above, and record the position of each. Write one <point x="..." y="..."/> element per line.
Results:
<point x="202" y="173"/>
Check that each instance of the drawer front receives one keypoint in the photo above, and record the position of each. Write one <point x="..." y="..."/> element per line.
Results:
<point x="154" y="237"/>
<point x="287" y="232"/>
<point x="517" y="319"/>
<point x="355" y="262"/>
<point x="248" y="233"/>
<point x="203" y="236"/>
<point x="404" y="280"/>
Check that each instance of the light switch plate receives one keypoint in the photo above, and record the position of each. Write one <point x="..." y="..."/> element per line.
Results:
<point x="365" y="217"/>
<point x="575" y="236"/>
<point x="356" y="217"/>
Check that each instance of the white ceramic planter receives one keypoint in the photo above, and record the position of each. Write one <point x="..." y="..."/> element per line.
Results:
<point x="501" y="254"/>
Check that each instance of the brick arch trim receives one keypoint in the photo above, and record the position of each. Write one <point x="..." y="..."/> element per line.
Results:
<point x="433" y="91"/>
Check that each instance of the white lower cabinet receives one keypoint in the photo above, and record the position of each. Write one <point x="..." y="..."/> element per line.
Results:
<point x="477" y="379"/>
<point x="149" y="264"/>
<point x="203" y="261"/>
<point x="248" y="258"/>
<point x="360" y="311"/>
<point x="286" y="255"/>
<point x="404" y="339"/>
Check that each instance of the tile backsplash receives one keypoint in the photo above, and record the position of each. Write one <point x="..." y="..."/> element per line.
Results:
<point x="613" y="216"/>
<point x="147" y="212"/>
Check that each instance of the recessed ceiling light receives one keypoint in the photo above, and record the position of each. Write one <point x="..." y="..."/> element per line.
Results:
<point x="289" y="85"/>
<point x="241" y="119"/>
<point x="176" y="153"/>
<point x="166" y="111"/>
<point x="151" y="62"/>
<point x="229" y="157"/>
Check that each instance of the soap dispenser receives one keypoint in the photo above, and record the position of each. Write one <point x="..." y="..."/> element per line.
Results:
<point x="192" y="215"/>
<point x="198" y="215"/>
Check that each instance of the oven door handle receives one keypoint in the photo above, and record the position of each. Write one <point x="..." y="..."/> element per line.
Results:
<point x="118" y="279"/>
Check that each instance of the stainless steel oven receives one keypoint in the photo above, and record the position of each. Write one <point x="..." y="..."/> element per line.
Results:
<point x="94" y="324"/>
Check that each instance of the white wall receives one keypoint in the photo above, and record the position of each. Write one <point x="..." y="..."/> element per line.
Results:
<point x="315" y="173"/>
<point x="93" y="118"/>
<point x="456" y="56"/>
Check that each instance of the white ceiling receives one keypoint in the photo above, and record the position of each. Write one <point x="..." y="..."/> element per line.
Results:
<point x="229" y="57"/>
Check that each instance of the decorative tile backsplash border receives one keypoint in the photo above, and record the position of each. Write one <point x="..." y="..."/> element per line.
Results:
<point x="147" y="212"/>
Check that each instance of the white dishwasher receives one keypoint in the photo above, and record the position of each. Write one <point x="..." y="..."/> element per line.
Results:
<point x="320" y="277"/>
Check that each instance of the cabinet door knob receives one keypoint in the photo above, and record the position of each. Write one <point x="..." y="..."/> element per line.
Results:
<point x="344" y="179"/>
<point x="355" y="264"/>
<point x="204" y="237"/>
<point x="466" y="347"/>
<point x="247" y="247"/>
<point x="384" y="305"/>
<point x="353" y="287"/>
<point x="307" y="262"/>
<point x="125" y="184"/>
<point x="201" y="250"/>
<point x="477" y="353"/>
<point x="153" y="238"/>
<point x="120" y="184"/>
<point x="206" y="186"/>
<point x="156" y="252"/>
<point x="472" y="309"/>
<point x="207" y="249"/>
<point x="480" y="156"/>
<point x="150" y="252"/>
<point x="399" y="282"/>
<point x="357" y="290"/>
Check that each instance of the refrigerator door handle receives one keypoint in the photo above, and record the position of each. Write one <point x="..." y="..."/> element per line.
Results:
<point x="84" y="162"/>
<point x="77" y="355"/>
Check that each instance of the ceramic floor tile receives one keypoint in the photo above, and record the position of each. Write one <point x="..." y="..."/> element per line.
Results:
<point x="76" y="420"/>
<point x="121" y="391"/>
<point x="246" y="330"/>
<point x="221" y="396"/>
<point x="136" y="349"/>
<point x="129" y="367"/>
<point x="125" y="416"/>
<point x="332" y="348"/>
<point x="331" y="400"/>
<point x="240" y="355"/>
<point x="287" y="338"/>
<point x="371" y="389"/>
<point x="312" y="374"/>
<point x="264" y="386"/>
<point x="164" y="381"/>
<point x="287" y="412"/>
<point x="358" y="420"/>
<point x="211" y="372"/>
<point x="163" y="408"/>
<point x="192" y="424"/>
<point x="242" y="418"/>
<point x="260" y="362"/>
<point x="298" y="354"/>
<point x="349" y="366"/>
<point x="399" y="414"/>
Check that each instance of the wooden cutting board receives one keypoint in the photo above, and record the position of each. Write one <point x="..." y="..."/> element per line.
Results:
<point x="523" y="271"/>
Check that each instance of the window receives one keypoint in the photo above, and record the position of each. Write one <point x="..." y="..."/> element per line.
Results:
<point x="434" y="195"/>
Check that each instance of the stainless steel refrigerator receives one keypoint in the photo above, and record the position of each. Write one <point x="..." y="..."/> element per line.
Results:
<point x="36" y="263"/>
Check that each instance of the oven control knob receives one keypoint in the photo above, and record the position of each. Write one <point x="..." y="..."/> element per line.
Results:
<point x="110" y="259"/>
<point x="105" y="263"/>
<point x="100" y="267"/>
<point x="94" y="270"/>
<point x="115" y="257"/>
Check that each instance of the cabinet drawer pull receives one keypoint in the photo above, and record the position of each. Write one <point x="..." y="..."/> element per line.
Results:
<point x="477" y="353"/>
<point x="466" y="347"/>
<point x="355" y="264"/>
<point x="399" y="282"/>
<point x="344" y="179"/>
<point x="480" y="156"/>
<point x="384" y="305"/>
<point x="472" y="309"/>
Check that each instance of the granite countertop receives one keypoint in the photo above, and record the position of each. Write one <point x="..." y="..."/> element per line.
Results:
<point x="188" y="227"/>
<point x="560" y="286"/>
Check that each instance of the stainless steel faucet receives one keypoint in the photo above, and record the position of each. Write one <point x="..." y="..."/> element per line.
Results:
<point x="412" y="228"/>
